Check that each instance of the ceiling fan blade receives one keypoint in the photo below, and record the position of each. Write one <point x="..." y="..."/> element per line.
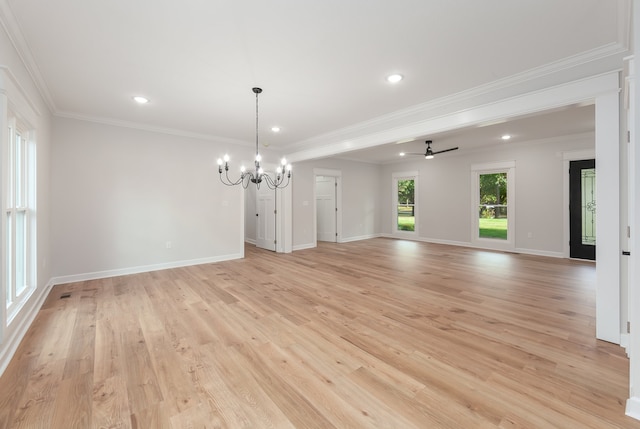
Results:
<point x="414" y="153"/>
<point x="446" y="150"/>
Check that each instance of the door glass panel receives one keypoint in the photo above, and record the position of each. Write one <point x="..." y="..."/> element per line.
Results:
<point x="588" y="181"/>
<point x="493" y="210"/>
<point x="406" y="219"/>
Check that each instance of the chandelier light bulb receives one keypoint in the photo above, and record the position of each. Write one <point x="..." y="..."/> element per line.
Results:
<point x="219" y="161"/>
<point x="226" y="158"/>
<point x="242" y="169"/>
<point x="289" y="167"/>
<point x="258" y="157"/>
<point x="260" y="171"/>
<point x="279" y="170"/>
<point x="283" y="161"/>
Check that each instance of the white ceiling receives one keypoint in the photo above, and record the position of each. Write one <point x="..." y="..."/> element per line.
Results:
<point x="322" y="64"/>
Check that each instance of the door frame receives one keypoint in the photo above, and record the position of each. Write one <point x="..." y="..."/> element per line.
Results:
<point x="338" y="175"/>
<point x="395" y="177"/>
<point x="508" y="167"/>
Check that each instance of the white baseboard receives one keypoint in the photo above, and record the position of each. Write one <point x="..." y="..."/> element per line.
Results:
<point x="142" y="269"/>
<point x="358" y="238"/>
<point x="341" y="240"/>
<point x="475" y="246"/>
<point x="250" y="241"/>
<point x="624" y="342"/>
<point x="536" y="252"/>
<point x="18" y="328"/>
<point x="304" y="246"/>
<point x="633" y="407"/>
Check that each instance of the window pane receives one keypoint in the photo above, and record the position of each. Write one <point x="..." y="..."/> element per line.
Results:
<point x="18" y="171"/>
<point x="493" y="219"/>
<point x="588" y="179"/>
<point x="406" y="205"/>
<point x="8" y="260"/>
<point x="406" y="218"/>
<point x="21" y="251"/>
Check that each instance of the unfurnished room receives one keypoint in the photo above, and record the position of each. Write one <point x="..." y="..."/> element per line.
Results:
<point x="305" y="214"/>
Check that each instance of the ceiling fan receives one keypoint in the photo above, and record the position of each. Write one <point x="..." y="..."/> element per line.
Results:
<point x="429" y="153"/>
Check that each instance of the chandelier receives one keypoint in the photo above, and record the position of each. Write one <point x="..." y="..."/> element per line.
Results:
<point x="257" y="176"/>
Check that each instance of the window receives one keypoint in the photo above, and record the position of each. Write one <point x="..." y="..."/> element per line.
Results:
<point x="493" y="205"/>
<point x="19" y="222"/>
<point x="405" y="189"/>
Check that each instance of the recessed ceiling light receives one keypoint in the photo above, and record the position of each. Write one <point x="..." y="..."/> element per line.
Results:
<point x="506" y="137"/>
<point x="275" y="129"/>
<point x="394" y="78"/>
<point x="402" y="154"/>
<point x="405" y="141"/>
<point x="141" y="100"/>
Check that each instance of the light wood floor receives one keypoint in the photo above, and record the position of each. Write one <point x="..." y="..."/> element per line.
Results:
<point x="371" y="334"/>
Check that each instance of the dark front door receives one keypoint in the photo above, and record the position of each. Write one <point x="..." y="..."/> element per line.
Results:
<point x="582" y="209"/>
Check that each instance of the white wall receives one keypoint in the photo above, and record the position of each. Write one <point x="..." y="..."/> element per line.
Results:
<point x="445" y="193"/>
<point x="360" y="200"/>
<point x="10" y="335"/>
<point x="119" y="195"/>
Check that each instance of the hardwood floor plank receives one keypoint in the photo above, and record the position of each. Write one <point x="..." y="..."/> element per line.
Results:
<point x="142" y="383"/>
<point x="73" y="405"/>
<point x="38" y="402"/>
<point x="110" y="405"/>
<point x="376" y="333"/>
<point x="298" y="409"/>
<point x="254" y="402"/>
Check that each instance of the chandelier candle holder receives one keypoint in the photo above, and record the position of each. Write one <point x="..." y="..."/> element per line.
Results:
<point x="257" y="176"/>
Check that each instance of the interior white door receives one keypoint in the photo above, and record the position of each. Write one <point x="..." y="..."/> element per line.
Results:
<point x="266" y="218"/>
<point x="326" y="221"/>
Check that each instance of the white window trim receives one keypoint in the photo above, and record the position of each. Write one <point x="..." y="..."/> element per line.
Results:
<point x="394" y="193"/>
<point x="17" y="111"/>
<point x="489" y="168"/>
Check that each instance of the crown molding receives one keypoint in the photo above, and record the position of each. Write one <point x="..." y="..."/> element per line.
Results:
<point x="17" y="96"/>
<point x="150" y="128"/>
<point x="12" y="29"/>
